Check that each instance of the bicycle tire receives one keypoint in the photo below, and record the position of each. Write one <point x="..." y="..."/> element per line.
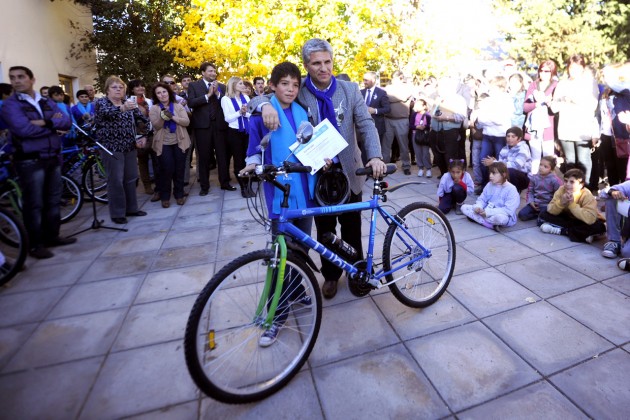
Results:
<point x="99" y="190"/>
<point x="71" y="199"/>
<point x="221" y="339"/>
<point x="13" y="245"/>
<point x="427" y="279"/>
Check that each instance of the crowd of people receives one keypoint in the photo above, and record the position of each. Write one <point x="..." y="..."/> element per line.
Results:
<point x="559" y="139"/>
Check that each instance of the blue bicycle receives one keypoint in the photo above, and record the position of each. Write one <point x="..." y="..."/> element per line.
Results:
<point x="276" y="288"/>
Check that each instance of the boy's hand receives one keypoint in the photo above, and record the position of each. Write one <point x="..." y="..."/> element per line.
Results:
<point x="535" y="206"/>
<point x="270" y="117"/>
<point x="566" y="199"/>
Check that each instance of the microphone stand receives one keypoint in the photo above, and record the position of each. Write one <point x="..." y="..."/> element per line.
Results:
<point x="96" y="223"/>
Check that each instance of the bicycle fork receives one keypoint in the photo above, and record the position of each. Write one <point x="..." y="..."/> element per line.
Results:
<point x="277" y="266"/>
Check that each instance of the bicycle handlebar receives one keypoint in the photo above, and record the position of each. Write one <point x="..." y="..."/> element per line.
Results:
<point x="391" y="168"/>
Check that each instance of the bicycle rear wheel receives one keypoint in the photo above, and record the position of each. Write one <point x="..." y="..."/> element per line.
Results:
<point x="221" y="342"/>
<point x="98" y="189"/>
<point x="13" y="245"/>
<point x="423" y="282"/>
<point x="71" y="199"/>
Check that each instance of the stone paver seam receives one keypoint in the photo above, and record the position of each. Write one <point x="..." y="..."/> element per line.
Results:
<point x="109" y="350"/>
<point x="410" y="353"/>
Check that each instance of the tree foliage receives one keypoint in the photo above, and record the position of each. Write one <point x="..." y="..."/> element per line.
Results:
<point x="128" y="38"/>
<point x="536" y="30"/>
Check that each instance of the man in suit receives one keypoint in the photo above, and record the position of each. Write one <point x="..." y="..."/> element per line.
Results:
<point x="341" y="103"/>
<point x="204" y="97"/>
<point x="397" y="120"/>
<point x="377" y="102"/>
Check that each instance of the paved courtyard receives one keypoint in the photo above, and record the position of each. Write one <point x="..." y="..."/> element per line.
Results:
<point x="531" y="326"/>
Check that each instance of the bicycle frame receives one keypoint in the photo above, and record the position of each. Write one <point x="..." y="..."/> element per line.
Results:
<point x="374" y="279"/>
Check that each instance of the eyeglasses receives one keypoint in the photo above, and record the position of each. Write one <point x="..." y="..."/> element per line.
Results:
<point x="169" y="82"/>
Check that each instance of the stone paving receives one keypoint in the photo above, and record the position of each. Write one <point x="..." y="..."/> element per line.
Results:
<point x="532" y="326"/>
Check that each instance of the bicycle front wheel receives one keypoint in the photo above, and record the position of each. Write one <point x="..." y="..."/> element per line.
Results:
<point x="222" y="343"/>
<point x="419" y="283"/>
<point x="13" y="245"/>
<point x="71" y="199"/>
<point x="96" y="188"/>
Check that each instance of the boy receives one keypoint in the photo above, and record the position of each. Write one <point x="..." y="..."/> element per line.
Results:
<point x="542" y="187"/>
<point x="616" y="230"/>
<point x="285" y="82"/>
<point x="572" y="211"/>
<point x="516" y="156"/>
<point x="83" y="112"/>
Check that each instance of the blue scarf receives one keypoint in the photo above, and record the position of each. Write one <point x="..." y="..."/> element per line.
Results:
<point x="280" y="141"/>
<point x="84" y="110"/>
<point x="243" y="123"/>
<point x="171" y="125"/>
<point x="324" y="100"/>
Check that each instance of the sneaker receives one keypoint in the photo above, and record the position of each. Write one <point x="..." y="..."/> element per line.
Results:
<point x="624" y="264"/>
<point x="458" y="209"/>
<point x="303" y="301"/>
<point x="427" y="173"/>
<point x="549" y="228"/>
<point x="611" y="249"/>
<point x="421" y="172"/>
<point x="497" y="228"/>
<point x="478" y="190"/>
<point x="592" y="238"/>
<point x="407" y="171"/>
<point x="269" y="336"/>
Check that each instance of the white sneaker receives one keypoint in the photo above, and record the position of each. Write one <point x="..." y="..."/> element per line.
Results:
<point x="428" y="173"/>
<point x="420" y="172"/>
<point x="549" y="228"/>
<point x="269" y="336"/>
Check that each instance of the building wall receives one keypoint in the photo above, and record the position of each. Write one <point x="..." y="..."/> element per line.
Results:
<point x="37" y="34"/>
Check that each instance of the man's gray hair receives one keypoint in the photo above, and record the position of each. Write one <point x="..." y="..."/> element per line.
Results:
<point x="315" y="45"/>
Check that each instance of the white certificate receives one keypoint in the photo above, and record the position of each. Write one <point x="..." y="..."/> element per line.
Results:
<point x="325" y="143"/>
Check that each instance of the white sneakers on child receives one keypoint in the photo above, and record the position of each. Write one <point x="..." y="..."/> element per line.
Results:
<point x="421" y="172"/>
<point x="427" y="173"/>
<point x="549" y="228"/>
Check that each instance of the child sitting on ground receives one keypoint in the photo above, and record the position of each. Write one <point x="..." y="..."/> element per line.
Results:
<point x="542" y="187"/>
<point x="497" y="204"/>
<point x="516" y="155"/>
<point x="454" y="187"/>
<point x="617" y="225"/>
<point x="572" y="211"/>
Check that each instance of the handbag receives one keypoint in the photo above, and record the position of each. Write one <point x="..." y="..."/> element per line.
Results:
<point x="421" y="138"/>
<point x="622" y="147"/>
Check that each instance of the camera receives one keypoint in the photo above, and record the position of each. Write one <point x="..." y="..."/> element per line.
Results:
<point x="438" y="113"/>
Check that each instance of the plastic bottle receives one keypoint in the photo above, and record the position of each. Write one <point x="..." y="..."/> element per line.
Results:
<point x="343" y="249"/>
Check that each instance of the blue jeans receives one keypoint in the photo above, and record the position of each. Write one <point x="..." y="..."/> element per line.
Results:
<point x="40" y="181"/>
<point x="172" y="167"/>
<point x="490" y="146"/>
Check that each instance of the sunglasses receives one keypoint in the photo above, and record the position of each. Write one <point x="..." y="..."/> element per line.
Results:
<point x="170" y="83"/>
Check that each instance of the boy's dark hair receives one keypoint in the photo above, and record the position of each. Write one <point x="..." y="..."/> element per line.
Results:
<point x="456" y="163"/>
<point x="26" y="70"/>
<point x="82" y="92"/>
<point x="575" y="173"/>
<point x="55" y="90"/>
<point x="5" y="89"/>
<point x="501" y="168"/>
<point x="516" y="131"/>
<point x="552" y="161"/>
<point x="185" y="76"/>
<point x="133" y="84"/>
<point x="283" y="70"/>
<point x="575" y="165"/>
<point x="257" y="78"/>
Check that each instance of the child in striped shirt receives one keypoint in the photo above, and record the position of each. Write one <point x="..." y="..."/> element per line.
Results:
<point x="542" y="187"/>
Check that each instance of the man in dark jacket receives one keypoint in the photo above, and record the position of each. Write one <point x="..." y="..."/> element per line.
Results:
<point x="34" y="123"/>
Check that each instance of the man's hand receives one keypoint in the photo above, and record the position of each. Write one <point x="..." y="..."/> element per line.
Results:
<point x="270" y="117"/>
<point x="488" y="160"/>
<point x="39" y="123"/>
<point x="618" y="195"/>
<point x="371" y="110"/>
<point x="247" y="169"/>
<point x="378" y="167"/>
<point x="141" y="142"/>
<point x="535" y="206"/>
